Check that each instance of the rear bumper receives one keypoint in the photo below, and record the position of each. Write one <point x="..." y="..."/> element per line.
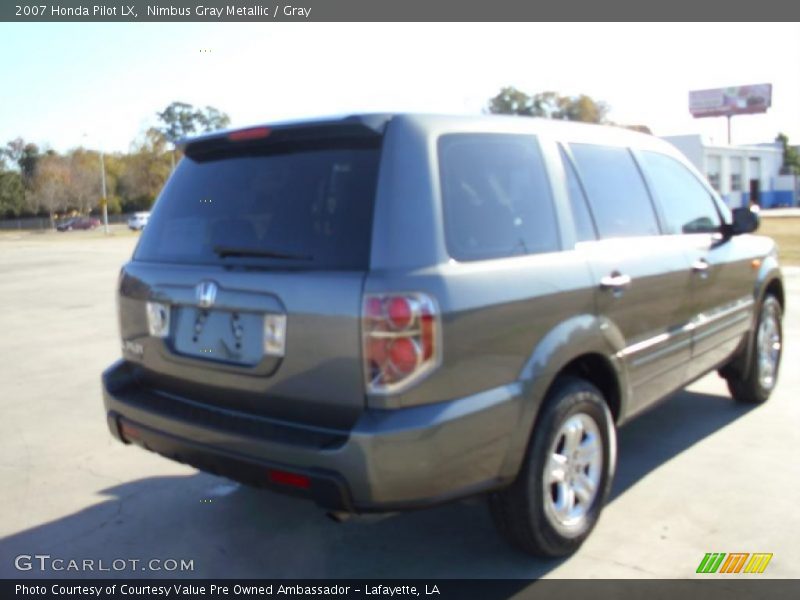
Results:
<point x="390" y="460"/>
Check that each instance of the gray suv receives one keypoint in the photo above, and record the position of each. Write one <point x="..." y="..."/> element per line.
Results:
<point x="386" y="312"/>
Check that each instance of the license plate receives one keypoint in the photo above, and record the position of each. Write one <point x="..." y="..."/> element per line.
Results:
<point x="218" y="335"/>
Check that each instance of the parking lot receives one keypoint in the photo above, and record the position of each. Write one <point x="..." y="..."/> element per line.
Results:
<point x="696" y="474"/>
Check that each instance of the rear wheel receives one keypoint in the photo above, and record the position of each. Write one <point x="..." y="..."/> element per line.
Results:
<point x="556" y="500"/>
<point x="762" y="372"/>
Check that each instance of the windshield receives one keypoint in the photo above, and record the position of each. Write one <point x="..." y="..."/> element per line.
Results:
<point x="299" y="208"/>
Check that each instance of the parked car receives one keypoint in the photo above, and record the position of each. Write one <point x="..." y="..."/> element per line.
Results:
<point x="389" y="312"/>
<point x="138" y="220"/>
<point x="78" y="223"/>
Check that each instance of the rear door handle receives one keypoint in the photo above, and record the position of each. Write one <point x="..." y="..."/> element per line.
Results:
<point x="615" y="281"/>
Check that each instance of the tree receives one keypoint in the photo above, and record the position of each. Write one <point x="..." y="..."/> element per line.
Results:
<point x="180" y="119"/>
<point x="550" y="105"/>
<point x="84" y="182"/>
<point x="114" y="205"/>
<point x="511" y="101"/>
<point x="791" y="157"/>
<point x="143" y="172"/>
<point x="213" y="119"/>
<point x="24" y="156"/>
<point x="50" y="186"/>
<point x="12" y="194"/>
<point x="582" y="108"/>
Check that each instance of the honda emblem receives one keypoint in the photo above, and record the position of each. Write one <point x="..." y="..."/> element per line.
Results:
<point x="206" y="294"/>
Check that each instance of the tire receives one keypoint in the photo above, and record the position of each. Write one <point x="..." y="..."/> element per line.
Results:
<point x="765" y="359"/>
<point x="527" y="512"/>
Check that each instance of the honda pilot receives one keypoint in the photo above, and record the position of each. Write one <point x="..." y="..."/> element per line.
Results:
<point x="387" y="312"/>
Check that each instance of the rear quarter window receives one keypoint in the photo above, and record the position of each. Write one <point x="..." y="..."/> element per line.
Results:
<point x="496" y="196"/>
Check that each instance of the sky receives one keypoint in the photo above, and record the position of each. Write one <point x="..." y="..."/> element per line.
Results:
<point x="99" y="85"/>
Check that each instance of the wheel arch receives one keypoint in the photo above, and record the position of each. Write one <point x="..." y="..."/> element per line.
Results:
<point x="584" y="346"/>
<point x="597" y="370"/>
<point x="769" y="282"/>
<point x="775" y="287"/>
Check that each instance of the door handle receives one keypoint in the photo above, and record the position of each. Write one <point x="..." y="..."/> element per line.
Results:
<point x="700" y="266"/>
<point x="615" y="281"/>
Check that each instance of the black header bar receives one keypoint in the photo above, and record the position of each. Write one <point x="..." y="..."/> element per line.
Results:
<point x="395" y="10"/>
<point x="713" y="587"/>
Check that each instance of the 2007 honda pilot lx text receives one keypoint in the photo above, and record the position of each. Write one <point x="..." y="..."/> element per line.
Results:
<point x="387" y="312"/>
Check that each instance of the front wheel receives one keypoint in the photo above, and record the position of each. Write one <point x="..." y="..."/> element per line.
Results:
<point x="556" y="500"/>
<point x="762" y="372"/>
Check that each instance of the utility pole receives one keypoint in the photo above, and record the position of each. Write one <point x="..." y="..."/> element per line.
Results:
<point x="729" y="130"/>
<point x="104" y="199"/>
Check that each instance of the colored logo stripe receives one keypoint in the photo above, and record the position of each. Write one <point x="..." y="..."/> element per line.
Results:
<point x="735" y="561"/>
<point x="711" y="562"/>
<point x="758" y="562"/>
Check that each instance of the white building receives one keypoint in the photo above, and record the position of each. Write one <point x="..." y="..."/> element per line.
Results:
<point x="741" y="174"/>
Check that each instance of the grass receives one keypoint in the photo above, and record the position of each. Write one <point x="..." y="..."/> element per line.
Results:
<point x="786" y="232"/>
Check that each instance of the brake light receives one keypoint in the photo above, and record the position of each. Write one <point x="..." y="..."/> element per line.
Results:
<point x="295" y="480"/>
<point x="401" y="340"/>
<point x="254" y="133"/>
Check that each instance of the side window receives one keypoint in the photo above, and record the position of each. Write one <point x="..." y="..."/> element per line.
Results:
<point x="687" y="205"/>
<point x="584" y="227"/>
<point x="496" y="196"/>
<point x="619" y="199"/>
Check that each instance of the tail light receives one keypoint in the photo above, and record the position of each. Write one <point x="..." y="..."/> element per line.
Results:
<point x="401" y="340"/>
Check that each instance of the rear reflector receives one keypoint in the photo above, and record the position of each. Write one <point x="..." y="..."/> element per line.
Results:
<point x="294" y="480"/>
<point x="254" y="133"/>
<point x="128" y="433"/>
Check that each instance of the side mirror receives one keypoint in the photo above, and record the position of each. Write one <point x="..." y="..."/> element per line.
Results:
<point x="745" y="220"/>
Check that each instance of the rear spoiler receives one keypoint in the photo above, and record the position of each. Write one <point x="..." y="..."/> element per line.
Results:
<point x="367" y="129"/>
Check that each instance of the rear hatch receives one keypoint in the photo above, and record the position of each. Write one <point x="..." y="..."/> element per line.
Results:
<point x="251" y="269"/>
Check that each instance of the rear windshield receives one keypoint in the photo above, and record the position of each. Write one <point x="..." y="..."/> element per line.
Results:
<point x="301" y="208"/>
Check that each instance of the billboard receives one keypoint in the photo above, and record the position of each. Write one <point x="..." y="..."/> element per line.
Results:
<point x="737" y="100"/>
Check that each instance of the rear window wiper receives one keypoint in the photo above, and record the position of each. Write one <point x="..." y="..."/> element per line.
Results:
<point x="226" y="251"/>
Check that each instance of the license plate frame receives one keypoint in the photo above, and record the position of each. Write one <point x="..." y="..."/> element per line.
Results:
<point x="219" y="335"/>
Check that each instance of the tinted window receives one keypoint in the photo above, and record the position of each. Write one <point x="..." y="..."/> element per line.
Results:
<point x="687" y="205"/>
<point x="313" y="207"/>
<point x="619" y="199"/>
<point x="496" y="196"/>
<point x="584" y="227"/>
